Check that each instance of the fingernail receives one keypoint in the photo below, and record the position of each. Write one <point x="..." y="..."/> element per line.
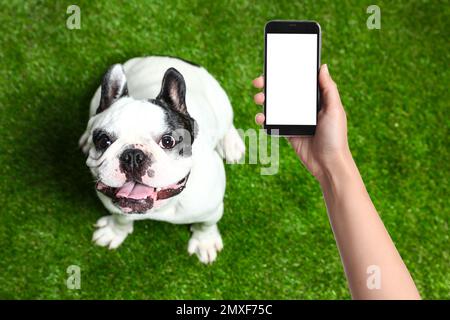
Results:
<point x="326" y="69"/>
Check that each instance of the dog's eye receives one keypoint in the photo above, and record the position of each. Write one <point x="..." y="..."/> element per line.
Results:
<point x="102" y="141"/>
<point x="167" y="142"/>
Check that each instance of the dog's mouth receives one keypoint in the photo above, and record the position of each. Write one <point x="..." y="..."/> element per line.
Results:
<point x="135" y="197"/>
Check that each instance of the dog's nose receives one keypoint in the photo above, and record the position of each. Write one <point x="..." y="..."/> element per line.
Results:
<point x="132" y="159"/>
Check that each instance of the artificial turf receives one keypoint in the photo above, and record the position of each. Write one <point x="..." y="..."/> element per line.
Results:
<point x="278" y="243"/>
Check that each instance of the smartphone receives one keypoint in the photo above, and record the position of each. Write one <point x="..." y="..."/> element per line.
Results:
<point x="291" y="74"/>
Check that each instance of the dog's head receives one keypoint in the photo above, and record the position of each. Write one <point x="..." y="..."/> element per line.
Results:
<point x="140" y="151"/>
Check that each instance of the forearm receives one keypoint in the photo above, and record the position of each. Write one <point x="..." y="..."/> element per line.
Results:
<point x="361" y="237"/>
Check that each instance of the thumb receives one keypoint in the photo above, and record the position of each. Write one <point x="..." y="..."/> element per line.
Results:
<point x="328" y="89"/>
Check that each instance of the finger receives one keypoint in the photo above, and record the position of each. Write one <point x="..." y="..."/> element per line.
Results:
<point x="259" y="118"/>
<point x="328" y="88"/>
<point x="259" y="82"/>
<point x="259" y="98"/>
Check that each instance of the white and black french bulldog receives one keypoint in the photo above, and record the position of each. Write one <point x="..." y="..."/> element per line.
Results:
<point x="159" y="128"/>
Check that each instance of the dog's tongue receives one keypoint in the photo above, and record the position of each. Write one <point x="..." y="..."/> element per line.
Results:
<point x="135" y="191"/>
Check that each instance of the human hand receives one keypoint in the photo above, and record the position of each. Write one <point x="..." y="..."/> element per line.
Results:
<point x="329" y="145"/>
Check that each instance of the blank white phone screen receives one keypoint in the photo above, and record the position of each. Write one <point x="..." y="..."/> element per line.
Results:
<point x="291" y="83"/>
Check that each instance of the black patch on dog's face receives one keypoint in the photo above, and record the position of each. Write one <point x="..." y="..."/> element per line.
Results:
<point x="172" y="101"/>
<point x="177" y="120"/>
<point x="102" y="139"/>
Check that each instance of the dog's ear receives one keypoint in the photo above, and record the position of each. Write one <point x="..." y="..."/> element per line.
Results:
<point x="114" y="86"/>
<point x="173" y="90"/>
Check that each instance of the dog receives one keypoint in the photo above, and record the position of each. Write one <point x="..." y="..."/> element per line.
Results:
<point x="158" y="132"/>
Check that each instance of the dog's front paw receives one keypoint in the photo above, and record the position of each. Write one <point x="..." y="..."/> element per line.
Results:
<point x="205" y="242"/>
<point x="111" y="231"/>
<point x="233" y="148"/>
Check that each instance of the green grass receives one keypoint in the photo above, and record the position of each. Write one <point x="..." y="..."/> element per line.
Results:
<point x="278" y="243"/>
